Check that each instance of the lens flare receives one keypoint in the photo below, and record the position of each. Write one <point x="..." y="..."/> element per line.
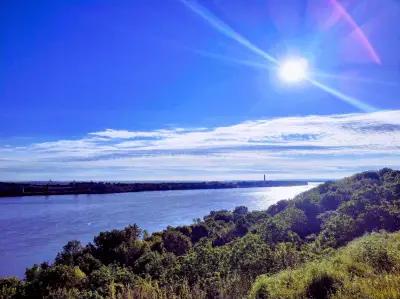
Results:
<point x="236" y="61"/>
<point x="293" y="70"/>
<point x="345" y="98"/>
<point x="342" y="12"/>
<point x="226" y="30"/>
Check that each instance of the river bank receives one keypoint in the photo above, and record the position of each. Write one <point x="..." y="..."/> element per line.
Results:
<point x="63" y="188"/>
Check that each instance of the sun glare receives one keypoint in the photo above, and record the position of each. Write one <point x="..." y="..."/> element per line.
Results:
<point x="293" y="70"/>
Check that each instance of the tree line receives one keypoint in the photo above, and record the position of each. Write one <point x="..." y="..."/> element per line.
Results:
<point x="236" y="254"/>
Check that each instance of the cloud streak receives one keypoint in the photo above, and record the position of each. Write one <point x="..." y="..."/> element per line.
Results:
<point x="289" y="147"/>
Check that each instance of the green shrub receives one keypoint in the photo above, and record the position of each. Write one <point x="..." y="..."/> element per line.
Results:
<point x="366" y="268"/>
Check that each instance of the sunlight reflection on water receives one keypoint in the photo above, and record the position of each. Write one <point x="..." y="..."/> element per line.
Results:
<point x="34" y="229"/>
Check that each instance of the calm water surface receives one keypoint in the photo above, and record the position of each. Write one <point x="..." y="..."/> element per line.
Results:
<point x="34" y="229"/>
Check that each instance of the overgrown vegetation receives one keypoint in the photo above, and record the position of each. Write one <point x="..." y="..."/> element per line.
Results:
<point x="294" y="246"/>
<point x="368" y="267"/>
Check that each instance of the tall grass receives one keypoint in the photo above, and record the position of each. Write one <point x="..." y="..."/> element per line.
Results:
<point x="368" y="267"/>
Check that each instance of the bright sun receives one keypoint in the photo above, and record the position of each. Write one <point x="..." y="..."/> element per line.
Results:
<point x="293" y="70"/>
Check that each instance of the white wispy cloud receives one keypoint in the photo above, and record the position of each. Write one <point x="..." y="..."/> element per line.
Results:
<point x="288" y="147"/>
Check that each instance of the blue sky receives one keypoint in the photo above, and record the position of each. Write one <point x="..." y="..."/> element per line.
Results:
<point x="143" y="89"/>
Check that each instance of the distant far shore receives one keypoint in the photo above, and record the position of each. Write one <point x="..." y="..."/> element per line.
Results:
<point x="55" y="188"/>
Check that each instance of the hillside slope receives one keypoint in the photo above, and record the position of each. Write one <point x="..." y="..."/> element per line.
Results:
<point x="222" y="255"/>
<point x="368" y="267"/>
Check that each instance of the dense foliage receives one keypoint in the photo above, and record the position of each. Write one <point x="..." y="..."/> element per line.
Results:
<point x="223" y="255"/>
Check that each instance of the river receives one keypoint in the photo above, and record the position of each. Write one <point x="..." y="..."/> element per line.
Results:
<point x="34" y="229"/>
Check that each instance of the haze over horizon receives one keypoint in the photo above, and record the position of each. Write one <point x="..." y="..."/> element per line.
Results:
<point x="189" y="90"/>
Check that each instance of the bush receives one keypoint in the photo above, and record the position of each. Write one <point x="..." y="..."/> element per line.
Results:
<point x="322" y="286"/>
<point x="176" y="242"/>
<point x="295" y="244"/>
<point x="367" y="268"/>
<point x="10" y="288"/>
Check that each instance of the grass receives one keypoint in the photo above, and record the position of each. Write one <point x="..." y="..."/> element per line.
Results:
<point x="368" y="267"/>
